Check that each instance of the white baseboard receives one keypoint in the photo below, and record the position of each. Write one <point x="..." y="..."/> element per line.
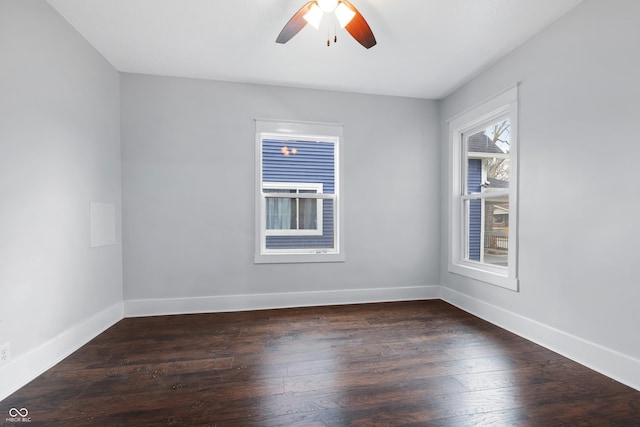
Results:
<point x="611" y="363"/>
<point x="157" y="307"/>
<point x="23" y="369"/>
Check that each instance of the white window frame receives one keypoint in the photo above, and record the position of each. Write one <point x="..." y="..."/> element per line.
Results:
<point x="315" y="186"/>
<point x="501" y="106"/>
<point x="299" y="131"/>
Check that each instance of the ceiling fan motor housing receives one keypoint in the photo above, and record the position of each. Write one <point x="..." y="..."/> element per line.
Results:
<point x="327" y="6"/>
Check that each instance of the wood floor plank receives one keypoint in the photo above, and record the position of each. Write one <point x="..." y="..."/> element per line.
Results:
<point x="391" y="364"/>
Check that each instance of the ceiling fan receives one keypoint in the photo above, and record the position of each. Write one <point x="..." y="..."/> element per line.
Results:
<point x="347" y="15"/>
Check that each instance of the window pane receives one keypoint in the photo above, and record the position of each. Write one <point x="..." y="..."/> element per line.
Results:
<point x="487" y="225"/>
<point x="306" y="162"/>
<point x="474" y="176"/>
<point x="474" y="229"/>
<point x="308" y="211"/>
<point x="496" y="235"/>
<point x="488" y="158"/>
<point x="281" y="214"/>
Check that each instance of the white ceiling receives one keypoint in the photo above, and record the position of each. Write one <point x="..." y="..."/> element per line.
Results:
<point x="426" y="48"/>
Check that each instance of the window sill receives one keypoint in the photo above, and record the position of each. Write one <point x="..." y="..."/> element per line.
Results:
<point x="280" y="258"/>
<point x="490" y="277"/>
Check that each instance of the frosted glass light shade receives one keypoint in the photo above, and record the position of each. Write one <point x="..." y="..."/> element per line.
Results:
<point x="314" y="16"/>
<point x="344" y="14"/>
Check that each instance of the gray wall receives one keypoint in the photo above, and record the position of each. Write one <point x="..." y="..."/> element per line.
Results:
<point x="579" y="151"/>
<point x="60" y="150"/>
<point x="188" y="189"/>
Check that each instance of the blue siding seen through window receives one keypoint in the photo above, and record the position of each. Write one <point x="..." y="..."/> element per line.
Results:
<point x="474" y="185"/>
<point x="302" y="162"/>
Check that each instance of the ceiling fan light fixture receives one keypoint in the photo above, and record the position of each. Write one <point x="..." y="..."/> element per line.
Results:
<point x="347" y="15"/>
<point x="327" y="6"/>
<point x="344" y="14"/>
<point x="314" y="16"/>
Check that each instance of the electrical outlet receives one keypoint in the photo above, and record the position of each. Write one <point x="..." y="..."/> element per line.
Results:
<point x="5" y="352"/>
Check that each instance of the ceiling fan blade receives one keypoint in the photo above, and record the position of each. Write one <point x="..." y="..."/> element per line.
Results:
<point x="295" y="24"/>
<point x="359" y="29"/>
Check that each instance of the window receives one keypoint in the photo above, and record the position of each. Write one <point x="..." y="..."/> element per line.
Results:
<point x="292" y="216"/>
<point x="483" y="192"/>
<point x="298" y="213"/>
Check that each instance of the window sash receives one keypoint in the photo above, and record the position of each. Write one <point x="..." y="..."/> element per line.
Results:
<point x="489" y="244"/>
<point x="304" y="250"/>
<point x="300" y="196"/>
<point x="485" y="195"/>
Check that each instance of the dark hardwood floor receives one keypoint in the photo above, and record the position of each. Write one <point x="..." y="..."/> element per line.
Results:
<point x="421" y="363"/>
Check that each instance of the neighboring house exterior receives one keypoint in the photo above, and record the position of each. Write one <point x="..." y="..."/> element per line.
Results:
<point x="490" y="240"/>
<point x="298" y="167"/>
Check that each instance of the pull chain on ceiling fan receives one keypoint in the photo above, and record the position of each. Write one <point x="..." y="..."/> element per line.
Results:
<point x="347" y="15"/>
